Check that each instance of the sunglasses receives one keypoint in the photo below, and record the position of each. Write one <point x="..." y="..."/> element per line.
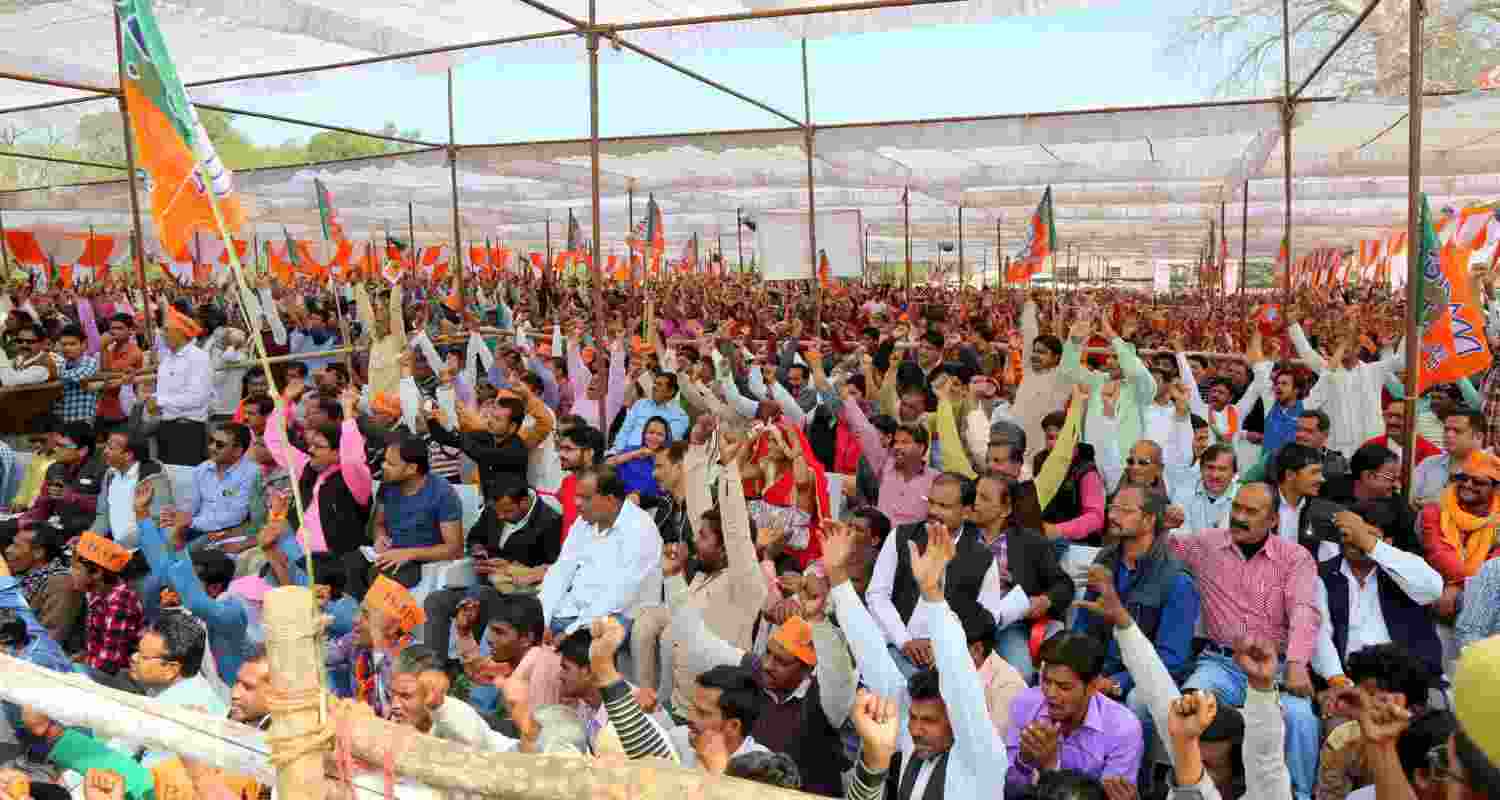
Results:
<point x="1139" y="462"/>
<point x="1477" y="482"/>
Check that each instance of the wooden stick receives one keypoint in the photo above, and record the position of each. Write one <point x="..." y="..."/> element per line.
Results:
<point x="292" y="631"/>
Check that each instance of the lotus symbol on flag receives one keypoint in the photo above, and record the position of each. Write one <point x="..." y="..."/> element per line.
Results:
<point x="1489" y="79"/>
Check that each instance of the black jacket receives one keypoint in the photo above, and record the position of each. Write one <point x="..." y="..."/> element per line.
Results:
<point x="538" y="542"/>
<point x="492" y="457"/>
<point x="1032" y="562"/>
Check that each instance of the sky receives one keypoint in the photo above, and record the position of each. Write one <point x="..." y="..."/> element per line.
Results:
<point x="1113" y="55"/>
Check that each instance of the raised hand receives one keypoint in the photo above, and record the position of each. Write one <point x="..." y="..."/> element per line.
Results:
<point x="1039" y="744"/>
<point x="1191" y="715"/>
<point x="877" y="721"/>
<point x="930" y="566"/>
<point x="1107" y="605"/>
<point x="1382" y="721"/>
<point x="609" y="635"/>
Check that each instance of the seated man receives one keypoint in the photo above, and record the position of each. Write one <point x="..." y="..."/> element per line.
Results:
<point x="418" y="519"/>
<point x="35" y="559"/>
<point x="1066" y="723"/>
<point x="71" y="484"/>
<point x="951" y="739"/>
<point x="610" y="561"/>
<point x="517" y="537"/>
<point x="167" y="665"/>
<point x="114" y="616"/>
<point x="132" y="475"/>
<point x="1374" y="593"/>
<point x="228" y="503"/>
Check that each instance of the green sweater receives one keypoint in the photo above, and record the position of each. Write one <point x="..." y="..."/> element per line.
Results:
<point x="80" y="752"/>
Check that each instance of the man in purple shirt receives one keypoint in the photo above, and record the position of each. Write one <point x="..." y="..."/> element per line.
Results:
<point x="1066" y="723"/>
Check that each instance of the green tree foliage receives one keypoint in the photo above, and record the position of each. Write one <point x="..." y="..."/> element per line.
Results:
<point x="99" y="137"/>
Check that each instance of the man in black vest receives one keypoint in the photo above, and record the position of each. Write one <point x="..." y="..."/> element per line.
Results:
<point x="1373" y="593"/>
<point x="893" y="592"/>
<point x="1154" y="587"/>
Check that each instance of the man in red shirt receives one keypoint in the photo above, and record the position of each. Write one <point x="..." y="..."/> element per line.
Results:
<point x="578" y="448"/>
<point x="1395" y="433"/>
<point x="120" y="357"/>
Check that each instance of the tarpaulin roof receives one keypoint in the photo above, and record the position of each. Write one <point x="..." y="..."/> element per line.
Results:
<point x="1143" y="181"/>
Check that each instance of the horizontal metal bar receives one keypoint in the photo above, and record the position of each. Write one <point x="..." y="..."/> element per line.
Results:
<point x="55" y="104"/>
<point x="54" y="160"/>
<point x="771" y="13"/>
<point x="337" y="128"/>
<point x="39" y="80"/>
<point x="401" y="56"/>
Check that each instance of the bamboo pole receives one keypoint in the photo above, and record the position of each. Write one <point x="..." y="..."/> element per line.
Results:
<point x="906" y="233"/>
<point x="1414" y="233"/>
<point x="5" y="251"/>
<point x="961" y="282"/>
<point x="292" y="630"/>
<point x="597" y="293"/>
<point x="137" y="240"/>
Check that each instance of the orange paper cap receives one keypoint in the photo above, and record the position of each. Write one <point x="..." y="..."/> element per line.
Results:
<point x="587" y="355"/>
<point x="394" y="600"/>
<point x="453" y="303"/>
<point x="183" y="323"/>
<point x="96" y="549"/>
<point x="796" y="636"/>
<point x="1483" y="465"/>
<point x="385" y="403"/>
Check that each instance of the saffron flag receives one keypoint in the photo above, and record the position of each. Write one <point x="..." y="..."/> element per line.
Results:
<point x="1448" y="317"/>
<point x="332" y="230"/>
<point x="1041" y="241"/>
<point x="171" y="145"/>
<point x="823" y="272"/>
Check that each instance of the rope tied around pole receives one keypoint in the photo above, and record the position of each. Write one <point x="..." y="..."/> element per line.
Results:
<point x="335" y="734"/>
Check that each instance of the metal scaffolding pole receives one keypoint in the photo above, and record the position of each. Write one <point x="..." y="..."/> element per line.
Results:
<point x="739" y="237"/>
<point x="138" y="242"/>
<point x="961" y="282"/>
<point x="906" y="232"/>
<point x="458" y="244"/>
<point x="812" y="203"/>
<point x="1414" y="233"/>
<point x="597" y="292"/>
<point x="1286" y="146"/>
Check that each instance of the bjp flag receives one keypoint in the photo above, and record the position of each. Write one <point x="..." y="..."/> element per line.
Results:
<point x="171" y="145"/>
<point x="1448" y="315"/>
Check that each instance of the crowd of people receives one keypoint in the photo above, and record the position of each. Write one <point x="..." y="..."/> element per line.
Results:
<point x="863" y="542"/>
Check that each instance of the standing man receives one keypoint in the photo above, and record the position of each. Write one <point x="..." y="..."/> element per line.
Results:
<point x="184" y="391"/>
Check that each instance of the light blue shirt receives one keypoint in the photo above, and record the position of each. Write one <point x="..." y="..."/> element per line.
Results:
<point x="1200" y="510"/>
<point x="222" y="500"/>
<point x="605" y="571"/>
<point x="640" y="414"/>
<point x="41" y="650"/>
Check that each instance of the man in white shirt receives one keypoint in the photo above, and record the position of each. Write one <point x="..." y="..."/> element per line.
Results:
<point x="184" y="392"/>
<point x="610" y="561"/>
<point x="130" y="465"/>
<point x="1202" y="502"/>
<point x="34" y="363"/>
<point x="1373" y="593"/>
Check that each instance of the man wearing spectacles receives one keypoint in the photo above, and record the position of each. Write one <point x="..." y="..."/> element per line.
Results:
<point x="34" y="363"/>
<point x="1458" y="531"/>
<point x="167" y="664"/>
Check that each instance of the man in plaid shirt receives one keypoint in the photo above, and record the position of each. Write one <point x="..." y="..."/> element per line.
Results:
<point x="115" y="617"/>
<point x="80" y="396"/>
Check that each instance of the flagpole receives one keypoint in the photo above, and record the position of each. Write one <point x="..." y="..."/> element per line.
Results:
<point x="1286" y="148"/>
<point x="458" y="250"/>
<point x="1414" y="234"/>
<point x="906" y="233"/>
<point x="4" y="250"/>
<point x="598" y="292"/>
<point x="812" y="203"/>
<point x="411" y="233"/>
<point x="739" y="238"/>
<point x="1244" y="237"/>
<point x="961" y="282"/>
<point x="136" y="238"/>
<point x="1000" y="276"/>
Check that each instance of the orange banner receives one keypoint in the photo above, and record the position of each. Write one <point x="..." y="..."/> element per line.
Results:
<point x="1454" y="346"/>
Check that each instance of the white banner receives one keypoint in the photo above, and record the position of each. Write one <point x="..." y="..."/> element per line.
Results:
<point x="782" y="250"/>
<point x="1161" y="276"/>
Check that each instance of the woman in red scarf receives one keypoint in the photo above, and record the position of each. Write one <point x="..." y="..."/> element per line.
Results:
<point x="793" y="489"/>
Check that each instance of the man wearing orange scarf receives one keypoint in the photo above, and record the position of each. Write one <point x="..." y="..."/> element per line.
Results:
<point x="1458" y="531"/>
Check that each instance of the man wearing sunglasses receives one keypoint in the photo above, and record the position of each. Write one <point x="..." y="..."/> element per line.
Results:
<point x="34" y="363"/>
<point x="1458" y="531"/>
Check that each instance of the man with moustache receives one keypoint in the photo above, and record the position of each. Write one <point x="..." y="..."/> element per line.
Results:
<point x="1256" y="584"/>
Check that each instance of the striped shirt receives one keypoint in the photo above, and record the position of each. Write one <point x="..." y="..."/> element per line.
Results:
<point x="1272" y="595"/>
